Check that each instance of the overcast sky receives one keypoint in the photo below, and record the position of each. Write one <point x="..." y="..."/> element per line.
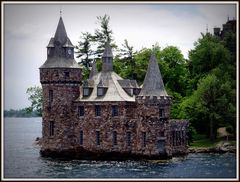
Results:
<point x="29" y="27"/>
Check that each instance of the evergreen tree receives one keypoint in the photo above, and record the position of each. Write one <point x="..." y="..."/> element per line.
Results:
<point x="84" y="50"/>
<point x="103" y="35"/>
<point x="127" y="53"/>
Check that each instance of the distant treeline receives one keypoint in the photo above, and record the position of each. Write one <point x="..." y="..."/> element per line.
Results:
<point x="20" y="113"/>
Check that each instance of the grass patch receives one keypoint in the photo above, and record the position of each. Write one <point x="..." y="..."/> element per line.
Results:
<point x="202" y="141"/>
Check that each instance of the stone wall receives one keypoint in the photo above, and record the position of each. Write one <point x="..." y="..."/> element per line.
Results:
<point x="106" y="124"/>
<point x="146" y="120"/>
<point x="60" y="75"/>
<point x="179" y="139"/>
<point x="58" y="95"/>
<point x="156" y="122"/>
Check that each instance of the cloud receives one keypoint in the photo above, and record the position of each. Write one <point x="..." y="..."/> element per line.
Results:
<point x="29" y="27"/>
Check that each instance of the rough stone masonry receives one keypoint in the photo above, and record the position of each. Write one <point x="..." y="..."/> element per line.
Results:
<point x="105" y="116"/>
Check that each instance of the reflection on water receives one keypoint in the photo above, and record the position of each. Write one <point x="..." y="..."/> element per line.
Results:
<point x="22" y="160"/>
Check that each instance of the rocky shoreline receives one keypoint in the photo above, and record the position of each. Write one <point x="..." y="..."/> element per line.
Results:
<point x="222" y="147"/>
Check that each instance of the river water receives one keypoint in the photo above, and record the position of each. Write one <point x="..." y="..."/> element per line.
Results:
<point x="22" y="160"/>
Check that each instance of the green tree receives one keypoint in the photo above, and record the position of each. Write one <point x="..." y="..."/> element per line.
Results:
<point x="127" y="53"/>
<point x="212" y="70"/>
<point x="141" y="62"/>
<point x="208" y="53"/>
<point x="84" y="49"/>
<point x="103" y="34"/>
<point x="35" y="96"/>
<point x="209" y="106"/>
<point x="174" y="68"/>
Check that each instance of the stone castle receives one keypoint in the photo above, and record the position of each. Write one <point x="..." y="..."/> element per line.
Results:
<point x="105" y="116"/>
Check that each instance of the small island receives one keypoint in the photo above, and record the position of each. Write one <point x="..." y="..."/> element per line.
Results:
<point x="106" y="116"/>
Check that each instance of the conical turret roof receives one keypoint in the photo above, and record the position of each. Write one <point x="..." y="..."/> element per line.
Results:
<point x="60" y="34"/>
<point x="93" y="70"/>
<point x="60" y="50"/>
<point x="153" y="83"/>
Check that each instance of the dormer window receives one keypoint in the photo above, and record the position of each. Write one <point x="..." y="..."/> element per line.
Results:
<point x="100" y="91"/>
<point x="86" y="92"/>
<point x="101" y="88"/>
<point x="48" y="52"/>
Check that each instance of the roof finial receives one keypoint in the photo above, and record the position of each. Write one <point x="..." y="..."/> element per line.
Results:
<point x="228" y="18"/>
<point x="60" y="11"/>
<point x="207" y="28"/>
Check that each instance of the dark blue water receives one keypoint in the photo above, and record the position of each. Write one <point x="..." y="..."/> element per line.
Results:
<point x="22" y="160"/>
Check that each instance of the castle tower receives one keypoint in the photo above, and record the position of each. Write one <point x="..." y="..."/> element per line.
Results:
<point x="154" y="108"/>
<point x="153" y="89"/>
<point x="60" y="77"/>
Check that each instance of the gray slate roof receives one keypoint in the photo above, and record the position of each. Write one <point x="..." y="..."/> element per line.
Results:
<point x="93" y="71"/>
<point x="114" y="90"/>
<point x="128" y="83"/>
<point x="51" y="43"/>
<point x="153" y="83"/>
<point x="68" y="43"/>
<point x="58" y="62"/>
<point x="60" y="34"/>
<point x="58" y="59"/>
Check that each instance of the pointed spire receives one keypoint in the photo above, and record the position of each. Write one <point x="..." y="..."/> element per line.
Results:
<point x="60" y="51"/>
<point x="60" y="11"/>
<point x="108" y="51"/>
<point x="93" y="70"/>
<point x="153" y="83"/>
<point x="61" y="34"/>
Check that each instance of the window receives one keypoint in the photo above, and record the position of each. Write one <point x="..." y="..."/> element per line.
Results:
<point x="97" y="110"/>
<point x="173" y="138"/>
<point x="50" y="95"/>
<point x="80" y="111"/>
<point x="114" y="111"/>
<point x="131" y="92"/>
<point x="114" y="138"/>
<point x="129" y="138"/>
<point x="98" y="137"/>
<point x="56" y="73"/>
<point x="144" y="139"/>
<point x="183" y="137"/>
<point x="66" y="74"/>
<point x="99" y="91"/>
<point x="81" y="137"/>
<point x="179" y="137"/>
<point x="161" y="112"/>
<point x="51" y="128"/>
<point x="85" y="91"/>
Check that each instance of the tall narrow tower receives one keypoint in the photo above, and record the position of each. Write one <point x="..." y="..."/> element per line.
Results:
<point x="153" y="90"/>
<point x="154" y="107"/>
<point x="60" y="77"/>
